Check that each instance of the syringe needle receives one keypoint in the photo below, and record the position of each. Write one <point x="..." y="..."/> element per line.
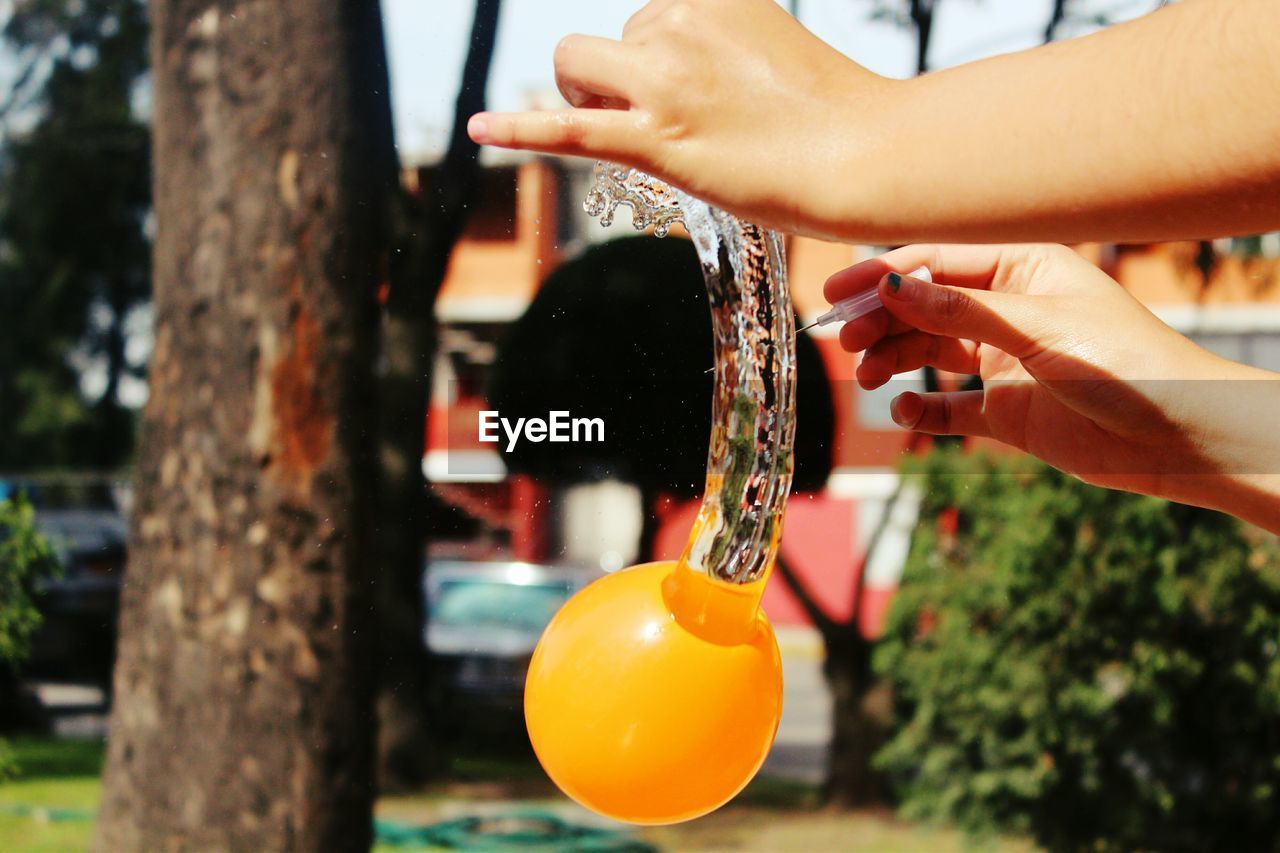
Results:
<point x="855" y="306"/>
<point x="860" y="304"/>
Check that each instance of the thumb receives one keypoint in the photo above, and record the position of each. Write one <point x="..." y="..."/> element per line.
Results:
<point x="1013" y="322"/>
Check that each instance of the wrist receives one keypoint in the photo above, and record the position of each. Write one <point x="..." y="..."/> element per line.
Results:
<point x="1233" y="416"/>
<point x="854" y="183"/>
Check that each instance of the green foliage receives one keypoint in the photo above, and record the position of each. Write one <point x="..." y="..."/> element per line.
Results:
<point x="1096" y="668"/>
<point x="74" y="254"/>
<point x="25" y="557"/>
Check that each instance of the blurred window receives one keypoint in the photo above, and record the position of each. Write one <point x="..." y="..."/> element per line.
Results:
<point x="470" y="350"/>
<point x="472" y="603"/>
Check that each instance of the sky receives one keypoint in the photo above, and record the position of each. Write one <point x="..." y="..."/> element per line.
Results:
<point x="427" y="43"/>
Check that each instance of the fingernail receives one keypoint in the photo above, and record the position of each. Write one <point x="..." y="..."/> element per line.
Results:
<point x="900" y="286"/>
<point x="478" y="128"/>
<point x="906" y="409"/>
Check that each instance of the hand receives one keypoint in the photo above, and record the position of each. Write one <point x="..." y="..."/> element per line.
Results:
<point x="1075" y="371"/>
<point x="731" y="100"/>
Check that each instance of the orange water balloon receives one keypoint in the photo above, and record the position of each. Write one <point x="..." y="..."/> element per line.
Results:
<point x="655" y="693"/>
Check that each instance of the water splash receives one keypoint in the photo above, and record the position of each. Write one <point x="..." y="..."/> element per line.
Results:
<point x="750" y="458"/>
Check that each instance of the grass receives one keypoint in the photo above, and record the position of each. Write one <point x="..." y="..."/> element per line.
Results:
<point x="53" y="776"/>
<point x="771" y="815"/>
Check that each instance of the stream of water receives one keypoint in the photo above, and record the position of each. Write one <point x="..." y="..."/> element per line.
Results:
<point x="750" y="457"/>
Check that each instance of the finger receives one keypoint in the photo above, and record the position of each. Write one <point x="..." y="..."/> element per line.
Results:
<point x="960" y="265"/>
<point x="912" y="351"/>
<point x="603" y="134"/>
<point x="591" y="70"/>
<point x="941" y="413"/>
<point x="1016" y="323"/>
<point x="857" y="335"/>
<point x="646" y="15"/>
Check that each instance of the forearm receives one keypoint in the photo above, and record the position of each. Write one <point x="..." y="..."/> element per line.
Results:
<point x="1231" y="418"/>
<point x="1156" y="129"/>
<point x="1255" y="498"/>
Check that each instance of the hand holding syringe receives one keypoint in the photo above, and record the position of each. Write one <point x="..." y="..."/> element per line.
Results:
<point x="860" y="304"/>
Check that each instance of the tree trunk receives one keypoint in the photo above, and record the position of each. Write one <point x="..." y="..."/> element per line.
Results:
<point x="243" y="704"/>
<point x="428" y="229"/>
<point x="921" y="13"/>
<point x="1057" y="15"/>
<point x="650" y="525"/>
<point x="407" y="754"/>
<point x="857" y="733"/>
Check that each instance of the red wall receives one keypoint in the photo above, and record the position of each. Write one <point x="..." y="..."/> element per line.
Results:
<point x="819" y="540"/>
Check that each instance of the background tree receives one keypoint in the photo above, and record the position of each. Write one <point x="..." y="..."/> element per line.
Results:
<point x="915" y="15"/>
<point x="857" y="729"/>
<point x="623" y="333"/>
<point x="75" y="267"/>
<point x="74" y="255"/>
<point x="1057" y="14"/>
<point x="428" y="227"/>
<point x="243" y="705"/>
<point x="1094" y="667"/>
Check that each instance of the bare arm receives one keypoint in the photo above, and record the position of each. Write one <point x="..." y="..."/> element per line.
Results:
<point x="1162" y="128"/>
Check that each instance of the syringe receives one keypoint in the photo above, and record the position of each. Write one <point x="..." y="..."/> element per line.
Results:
<point x="860" y="304"/>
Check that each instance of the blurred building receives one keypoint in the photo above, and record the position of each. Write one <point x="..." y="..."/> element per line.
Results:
<point x="528" y="218"/>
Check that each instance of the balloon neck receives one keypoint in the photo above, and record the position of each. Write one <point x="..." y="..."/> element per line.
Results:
<point x="723" y="613"/>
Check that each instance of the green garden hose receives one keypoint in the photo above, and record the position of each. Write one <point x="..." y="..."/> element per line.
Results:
<point x="515" y="831"/>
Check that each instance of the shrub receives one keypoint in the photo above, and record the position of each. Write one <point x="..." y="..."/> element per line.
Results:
<point x="25" y="556"/>
<point x="1096" y="668"/>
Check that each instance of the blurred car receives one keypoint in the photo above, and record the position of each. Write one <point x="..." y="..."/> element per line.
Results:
<point x="76" y="639"/>
<point x="483" y="621"/>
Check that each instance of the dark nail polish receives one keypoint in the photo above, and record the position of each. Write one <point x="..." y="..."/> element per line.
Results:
<point x="895" y="281"/>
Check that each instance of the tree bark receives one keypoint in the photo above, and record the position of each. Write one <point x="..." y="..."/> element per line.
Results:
<point x="852" y="780"/>
<point x="1057" y="14"/>
<point x="921" y="14"/>
<point x="407" y="753"/>
<point x="427" y="229"/>
<point x="857" y="731"/>
<point x="243" y="688"/>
